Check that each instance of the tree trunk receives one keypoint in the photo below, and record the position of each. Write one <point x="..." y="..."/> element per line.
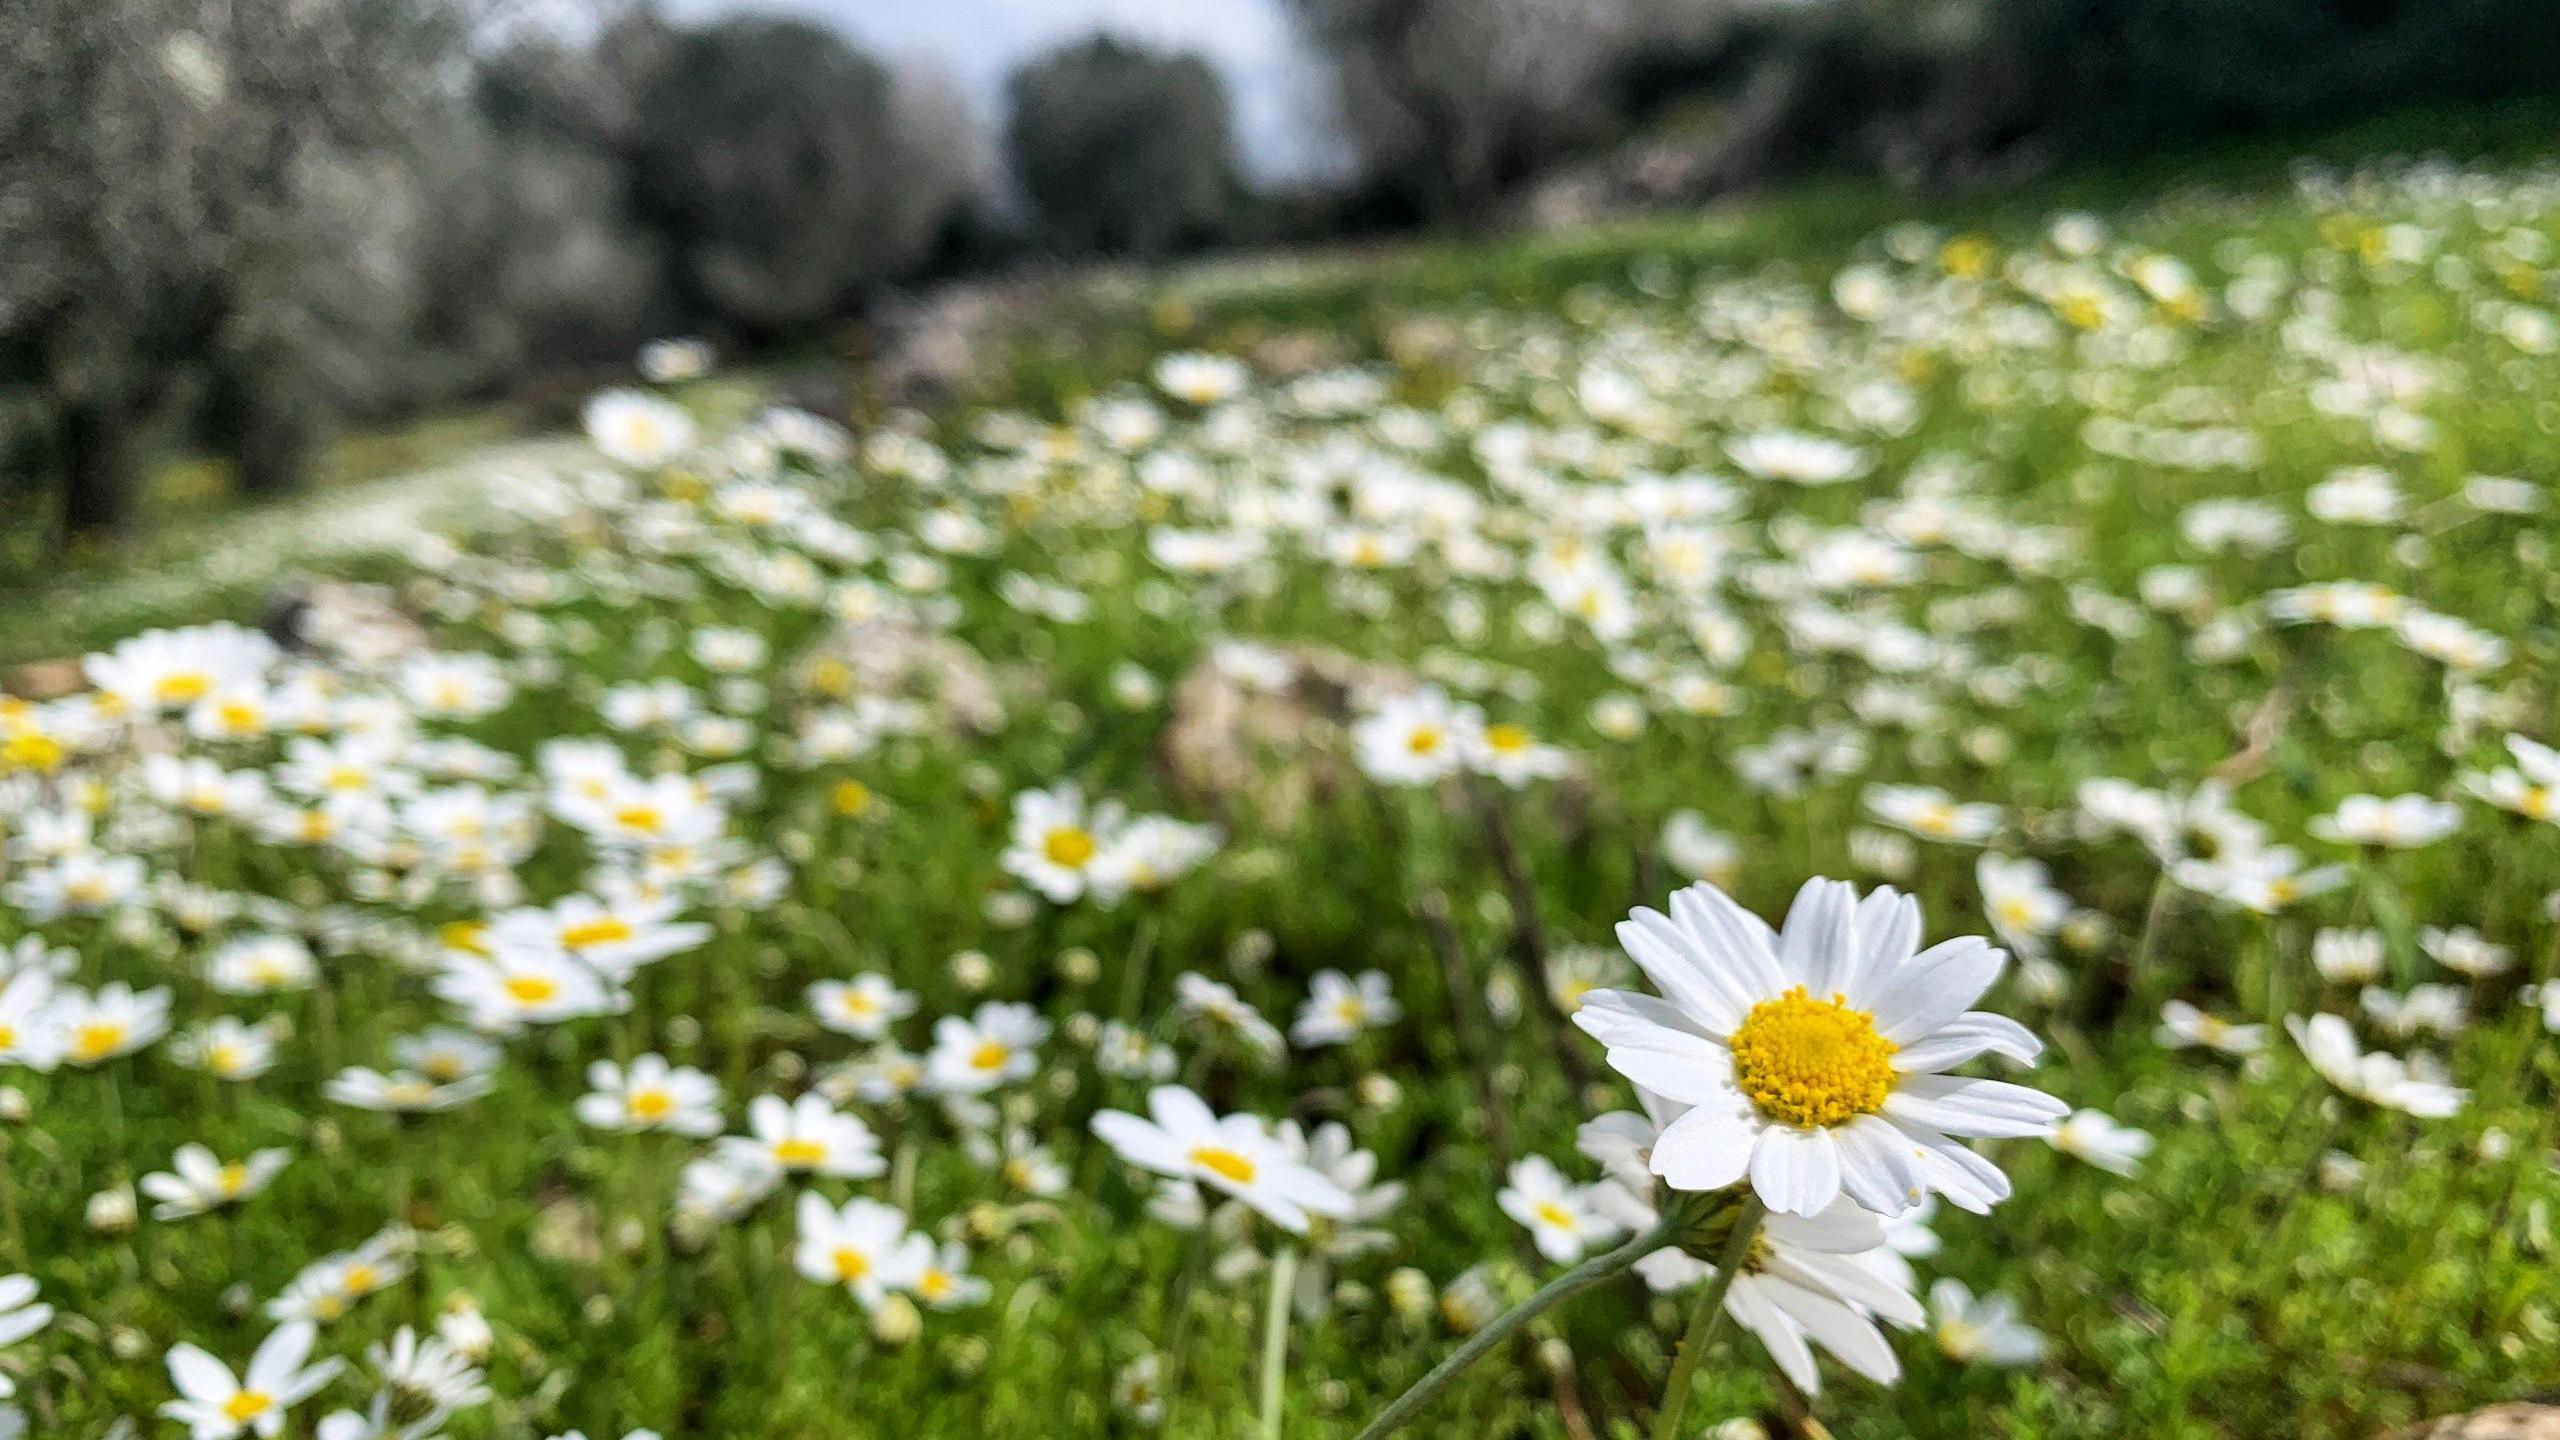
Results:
<point x="100" y="463"/>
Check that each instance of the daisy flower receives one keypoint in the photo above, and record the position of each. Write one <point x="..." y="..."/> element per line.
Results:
<point x="651" y="1095"/>
<point x="214" y="1404"/>
<point x="1235" y="1155"/>
<point x="1058" y="842"/>
<point x="196" y="1181"/>
<point x="944" y="1281"/>
<point x="1558" y="1214"/>
<point x="2530" y="787"/>
<point x="1416" y="739"/>
<point x="865" y="1247"/>
<point x="2398" y="823"/>
<point x="1812" y="1057"/>
<point x="2375" y="1077"/>
<point x="1986" y="1331"/>
<point x="1338" y="1008"/>
<point x="998" y="1045"/>
<point x="2095" y="1137"/>
<point x="1198" y="997"/>
<point x="2183" y="1026"/>
<point x="807" y="1136"/>
<point x="1824" y="1280"/>
<point x="863" y="1007"/>
<point x="1932" y="814"/>
<point x="113" y="1020"/>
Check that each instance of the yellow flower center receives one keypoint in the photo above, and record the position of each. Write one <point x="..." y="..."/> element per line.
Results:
<point x="531" y="989"/>
<point x="1069" y="846"/>
<point x="1225" y="1164"/>
<point x="1506" y="739"/>
<point x="652" y="1105"/>
<point x="96" y="1040"/>
<point x="232" y="1179"/>
<point x="644" y="818"/>
<point x="184" y="688"/>
<point x="247" y="1405"/>
<point x="361" y="1280"/>
<point x="851" y="1264"/>
<point x="468" y="936"/>
<point x="603" y="930"/>
<point x="1424" y="740"/>
<point x="2535" y="802"/>
<point x="990" y="1055"/>
<point x="851" y="797"/>
<point x="1551" y="1213"/>
<point x="935" y="1285"/>
<point x="1812" y="1063"/>
<point x="799" y="1154"/>
<point x="32" y="750"/>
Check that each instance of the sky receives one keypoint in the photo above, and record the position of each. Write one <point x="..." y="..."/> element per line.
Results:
<point x="1275" y="84"/>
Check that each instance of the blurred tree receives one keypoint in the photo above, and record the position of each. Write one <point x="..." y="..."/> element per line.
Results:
<point x="1122" y="149"/>
<point x="766" y="153"/>
<point x="1448" y="101"/>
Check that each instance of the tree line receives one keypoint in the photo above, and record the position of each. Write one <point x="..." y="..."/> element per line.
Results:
<point x="231" y="224"/>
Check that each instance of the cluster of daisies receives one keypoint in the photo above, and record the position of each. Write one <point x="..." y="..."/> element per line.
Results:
<point x="835" y="904"/>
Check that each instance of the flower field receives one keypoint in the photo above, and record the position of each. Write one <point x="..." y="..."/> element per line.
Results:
<point x="1952" y="840"/>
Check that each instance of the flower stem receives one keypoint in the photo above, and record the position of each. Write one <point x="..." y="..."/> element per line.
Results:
<point x="1564" y="1287"/>
<point x="1704" y="1319"/>
<point x="1275" y="1336"/>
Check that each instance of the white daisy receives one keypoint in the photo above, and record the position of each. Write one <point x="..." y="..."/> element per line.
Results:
<point x="1812" y="1057"/>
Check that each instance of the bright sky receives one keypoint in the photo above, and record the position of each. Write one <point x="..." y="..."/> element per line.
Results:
<point x="1278" y="91"/>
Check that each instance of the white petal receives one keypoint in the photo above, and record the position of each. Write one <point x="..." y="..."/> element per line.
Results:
<point x="1981" y="1109"/>
<point x="1709" y="1147"/>
<point x="1814" y="946"/>
<point x="1934" y="987"/>
<point x="1796" y="1172"/>
<point x="1966" y="1037"/>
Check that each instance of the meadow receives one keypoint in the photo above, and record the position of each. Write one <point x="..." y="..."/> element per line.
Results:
<point x="1123" y="908"/>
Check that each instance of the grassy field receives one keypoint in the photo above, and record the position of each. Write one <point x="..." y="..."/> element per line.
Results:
<point x="2133" y="536"/>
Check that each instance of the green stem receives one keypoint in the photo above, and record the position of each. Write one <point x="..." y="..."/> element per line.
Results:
<point x="1704" y="1320"/>
<point x="1564" y="1287"/>
<point x="1275" y="1336"/>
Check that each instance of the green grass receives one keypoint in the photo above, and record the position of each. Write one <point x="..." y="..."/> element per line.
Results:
<point x="2222" y="1290"/>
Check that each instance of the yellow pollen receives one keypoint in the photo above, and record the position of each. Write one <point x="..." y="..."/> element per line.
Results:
<point x="935" y="1285"/>
<point x="851" y="797"/>
<point x="603" y="930"/>
<point x="247" y="1405"/>
<point x="184" y="688"/>
<point x="223" y="1059"/>
<point x="8" y="1037"/>
<point x="1069" y="846"/>
<point x="652" y="1105"/>
<point x="531" y="989"/>
<point x="236" y="715"/>
<point x="851" y="1264"/>
<point x="468" y="936"/>
<point x="639" y="817"/>
<point x="990" y="1055"/>
<point x="1424" y="740"/>
<point x="799" y="1154"/>
<point x="2535" y="803"/>
<point x="232" y="1179"/>
<point x="1812" y="1063"/>
<point x="32" y="750"/>
<point x="96" y="1040"/>
<point x="1225" y="1164"/>
<point x="1554" y="1214"/>
<point x="360" y="1280"/>
<point x="1508" y="739"/>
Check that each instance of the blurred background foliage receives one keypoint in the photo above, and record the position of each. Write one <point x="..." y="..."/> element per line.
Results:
<point x="231" y="227"/>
